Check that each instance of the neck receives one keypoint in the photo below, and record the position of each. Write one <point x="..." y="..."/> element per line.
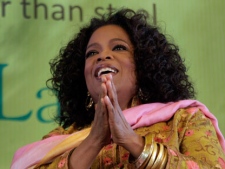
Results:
<point x="131" y="103"/>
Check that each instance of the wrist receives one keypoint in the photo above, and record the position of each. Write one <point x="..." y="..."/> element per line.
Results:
<point x="76" y="157"/>
<point x="135" y="145"/>
<point x="94" y="142"/>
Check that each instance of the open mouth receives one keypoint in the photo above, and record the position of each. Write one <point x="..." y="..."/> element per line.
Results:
<point x="105" y="70"/>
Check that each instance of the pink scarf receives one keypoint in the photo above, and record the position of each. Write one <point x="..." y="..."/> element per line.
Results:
<point x="139" y="116"/>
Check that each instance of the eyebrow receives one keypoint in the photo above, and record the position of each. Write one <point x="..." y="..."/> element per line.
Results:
<point x="118" y="39"/>
<point x="92" y="44"/>
<point x="112" y="40"/>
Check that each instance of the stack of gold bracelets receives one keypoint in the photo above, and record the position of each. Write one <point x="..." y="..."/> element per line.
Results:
<point x="153" y="156"/>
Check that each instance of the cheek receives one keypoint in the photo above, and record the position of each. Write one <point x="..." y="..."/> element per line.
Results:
<point x="130" y="74"/>
<point x="130" y="68"/>
<point x="132" y="71"/>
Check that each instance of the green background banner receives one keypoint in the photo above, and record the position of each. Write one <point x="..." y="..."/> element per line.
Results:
<point x="33" y="31"/>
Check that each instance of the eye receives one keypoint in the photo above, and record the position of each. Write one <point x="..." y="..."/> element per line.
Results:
<point x="91" y="53"/>
<point x="119" y="47"/>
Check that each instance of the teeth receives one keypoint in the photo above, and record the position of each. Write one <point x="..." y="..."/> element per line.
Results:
<point x="105" y="69"/>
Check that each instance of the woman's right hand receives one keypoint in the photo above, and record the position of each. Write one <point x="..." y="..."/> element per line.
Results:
<point x="99" y="136"/>
<point x="100" y="130"/>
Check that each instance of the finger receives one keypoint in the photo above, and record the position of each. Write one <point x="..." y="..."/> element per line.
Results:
<point x="103" y="78"/>
<point x="112" y="93"/>
<point x="109" y="106"/>
<point x="111" y="90"/>
<point x="114" y="118"/>
<point x="101" y="110"/>
<point x="104" y="109"/>
<point x="110" y="78"/>
<point x="104" y="90"/>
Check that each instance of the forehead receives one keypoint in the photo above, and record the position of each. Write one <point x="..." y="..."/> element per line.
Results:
<point x="109" y="32"/>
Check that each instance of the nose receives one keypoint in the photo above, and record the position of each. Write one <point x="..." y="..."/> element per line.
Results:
<point x="103" y="58"/>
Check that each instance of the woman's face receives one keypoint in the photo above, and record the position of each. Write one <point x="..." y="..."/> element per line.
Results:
<point x="110" y="50"/>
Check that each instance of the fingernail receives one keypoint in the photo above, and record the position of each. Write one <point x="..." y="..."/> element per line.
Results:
<point x="103" y="78"/>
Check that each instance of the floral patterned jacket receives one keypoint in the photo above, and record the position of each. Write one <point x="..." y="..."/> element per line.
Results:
<point x="189" y="137"/>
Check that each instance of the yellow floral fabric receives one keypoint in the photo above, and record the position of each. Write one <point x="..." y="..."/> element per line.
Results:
<point x="189" y="136"/>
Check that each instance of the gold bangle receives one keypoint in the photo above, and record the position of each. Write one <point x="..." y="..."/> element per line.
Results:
<point x="164" y="161"/>
<point x="159" y="157"/>
<point x="142" y="160"/>
<point x="147" y="160"/>
<point x="149" y="140"/>
<point x="152" y="158"/>
<point x="143" y="165"/>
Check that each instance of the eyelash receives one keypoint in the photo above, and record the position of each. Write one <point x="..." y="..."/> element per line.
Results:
<point x="120" y="46"/>
<point x="115" y="48"/>
<point x="91" y="53"/>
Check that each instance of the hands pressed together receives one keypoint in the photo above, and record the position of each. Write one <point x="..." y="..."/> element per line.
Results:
<point x="109" y="122"/>
<point x="109" y="125"/>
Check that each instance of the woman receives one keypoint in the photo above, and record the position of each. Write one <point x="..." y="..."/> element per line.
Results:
<point x="123" y="92"/>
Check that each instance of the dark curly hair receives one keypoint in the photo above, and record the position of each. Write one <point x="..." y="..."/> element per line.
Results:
<point x="160" y="71"/>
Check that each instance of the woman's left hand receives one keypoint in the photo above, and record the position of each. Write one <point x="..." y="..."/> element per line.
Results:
<point x="121" y="131"/>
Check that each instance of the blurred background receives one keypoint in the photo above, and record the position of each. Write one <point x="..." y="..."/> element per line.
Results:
<point x="33" y="31"/>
